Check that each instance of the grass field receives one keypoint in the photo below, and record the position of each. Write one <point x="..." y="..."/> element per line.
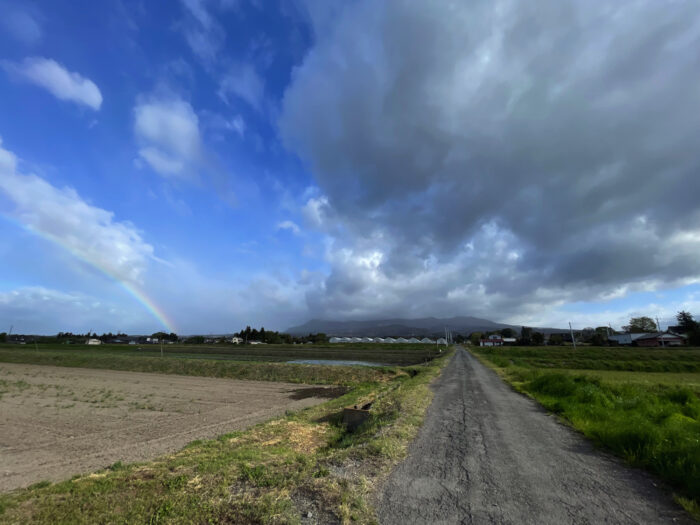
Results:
<point x="260" y="362"/>
<point x="640" y="403"/>
<point x="275" y="472"/>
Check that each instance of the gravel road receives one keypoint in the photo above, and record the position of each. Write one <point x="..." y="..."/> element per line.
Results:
<point x="489" y="455"/>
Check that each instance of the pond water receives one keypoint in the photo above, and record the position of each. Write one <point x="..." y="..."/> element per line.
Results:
<point x="334" y="362"/>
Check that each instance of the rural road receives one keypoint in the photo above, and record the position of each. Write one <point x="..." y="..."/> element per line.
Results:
<point x="489" y="455"/>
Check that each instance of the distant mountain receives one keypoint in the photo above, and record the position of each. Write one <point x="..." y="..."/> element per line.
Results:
<point x="404" y="327"/>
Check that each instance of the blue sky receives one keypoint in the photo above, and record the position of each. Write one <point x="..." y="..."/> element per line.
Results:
<point x="206" y="164"/>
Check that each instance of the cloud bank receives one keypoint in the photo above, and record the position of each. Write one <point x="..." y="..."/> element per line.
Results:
<point x="498" y="158"/>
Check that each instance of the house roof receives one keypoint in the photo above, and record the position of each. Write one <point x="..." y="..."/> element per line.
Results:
<point x="662" y="335"/>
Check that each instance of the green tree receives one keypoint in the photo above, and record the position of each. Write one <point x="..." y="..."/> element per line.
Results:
<point x="525" y="335"/>
<point x="686" y="323"/>
<point x="3" y="337"/>
<point x="599" y="340"/>
<point x="555" y="339"/>
<point x="475" y="338"/>
<point x="537" y="338"/>
<point x="640" y="325"/>
<point x="508" y="332"/>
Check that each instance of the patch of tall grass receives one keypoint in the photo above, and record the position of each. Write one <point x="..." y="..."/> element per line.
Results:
<point x="654" y="428"/>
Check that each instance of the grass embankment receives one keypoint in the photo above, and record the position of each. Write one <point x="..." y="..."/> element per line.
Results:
<point x="272" y="473"/>
<point x="643" y="405"/>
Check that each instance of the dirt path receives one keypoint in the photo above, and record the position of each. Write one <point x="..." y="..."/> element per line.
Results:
<point x="489" y="455"/>
<point x="56" y="422"/>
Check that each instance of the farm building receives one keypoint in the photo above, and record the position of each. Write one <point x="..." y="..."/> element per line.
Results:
<point x="389" y="340"/>
<point x="660" y="339"/>
<point x="413" y="340"/>
<point x="94" y="342"/>
<point x="492" y="340"/>
<point x="625" y="339"/>
<point x="402" y="340"/>
<point x="442" y="341"/>
<point x="427" y="340"/>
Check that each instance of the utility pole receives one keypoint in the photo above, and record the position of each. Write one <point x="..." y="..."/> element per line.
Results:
<point x="662" y="335"/>
<point x="573" y="339"/>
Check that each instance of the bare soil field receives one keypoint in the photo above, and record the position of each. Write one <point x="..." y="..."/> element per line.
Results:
<point x="56" y="422"/>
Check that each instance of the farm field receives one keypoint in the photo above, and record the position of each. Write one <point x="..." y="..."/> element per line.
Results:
<point x="59" y="422"/>
<point x="303" y="464"/>
<point x="261" y="362"/>
<point x="639" y="403"/>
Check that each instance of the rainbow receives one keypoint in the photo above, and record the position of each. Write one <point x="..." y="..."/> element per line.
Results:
<point x="136" y="293"/>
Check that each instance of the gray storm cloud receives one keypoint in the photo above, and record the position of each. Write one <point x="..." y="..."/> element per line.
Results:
<point x="568" y="130"/>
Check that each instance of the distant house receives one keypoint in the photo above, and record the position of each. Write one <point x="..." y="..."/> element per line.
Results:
<point x="492" y="340"/>
<point x="509" y="340"/>
<point x="660" y="339"/>
<point x="94" y="342"/>
<point x="237" y="340"/>
<point x="625" y="339"/>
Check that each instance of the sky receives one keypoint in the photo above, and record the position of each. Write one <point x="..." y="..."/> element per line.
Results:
<point x="201" y="165"/>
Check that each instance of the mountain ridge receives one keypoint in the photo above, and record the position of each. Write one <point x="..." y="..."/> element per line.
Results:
<point x="405" y="327"/>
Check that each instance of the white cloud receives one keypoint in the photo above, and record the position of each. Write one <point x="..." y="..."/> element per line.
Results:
<point x="203" y="33"/>
<point x="36" y="309"/>
<point x="315" y="211"/>
<point x="217" y="123"/>
<point x="89" y="232"/>
<point x="20" y="24"/>
<point x="289" y="225"/>
<point x="245" y="83"/>
<point x="57" y="80"/>
<point x="161" y="162"/>
<point x="168" y="130"/>
<point x="238" y="125"/>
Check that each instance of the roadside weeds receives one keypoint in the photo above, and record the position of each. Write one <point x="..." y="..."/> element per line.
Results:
<point x="650" y="426"/>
